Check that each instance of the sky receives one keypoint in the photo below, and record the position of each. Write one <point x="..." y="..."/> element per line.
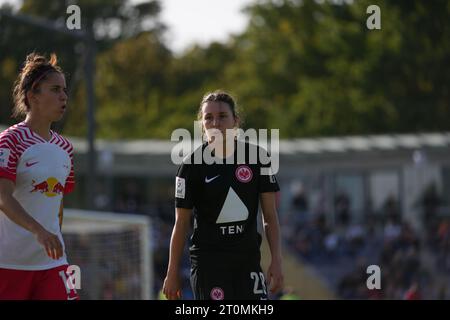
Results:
<point x="202" y="21"/>
<point x="197" y="21"/>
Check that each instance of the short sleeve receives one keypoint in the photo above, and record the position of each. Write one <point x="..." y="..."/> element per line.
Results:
<point x="70" y="181"/>
<point x="267" y="179"/>
<point x="9" y="156"/>
<point x="185" y="186"/>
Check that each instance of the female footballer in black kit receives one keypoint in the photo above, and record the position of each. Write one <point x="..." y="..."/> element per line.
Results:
<point x="224" y="198"/>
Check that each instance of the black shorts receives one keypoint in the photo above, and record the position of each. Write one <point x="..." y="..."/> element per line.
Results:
<point x="213" y="280"/>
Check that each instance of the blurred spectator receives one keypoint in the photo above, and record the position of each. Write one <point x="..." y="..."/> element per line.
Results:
<point x="342" y="208"/>
<point x="391" y="209"/>
<point x="430" y="205"/>
<point x="299" y="199"/>
<point x="129" y="201"/>
<point x="102" y="201"/>
<point x="299" y="204"/>
<point x="341" y="253"/>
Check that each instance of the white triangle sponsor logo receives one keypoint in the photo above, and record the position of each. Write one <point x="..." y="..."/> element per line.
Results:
<point x="233" y="209"/>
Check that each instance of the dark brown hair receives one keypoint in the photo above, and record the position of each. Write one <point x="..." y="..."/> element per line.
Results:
<point x="219" y="96"/>
<point x="35" y="70"/>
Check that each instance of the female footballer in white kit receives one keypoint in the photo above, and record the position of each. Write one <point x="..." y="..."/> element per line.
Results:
<point x="36" y="170"/>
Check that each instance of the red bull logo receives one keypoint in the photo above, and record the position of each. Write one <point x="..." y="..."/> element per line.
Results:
<point x="50" y="187"/>
<point x="58" y="188"/>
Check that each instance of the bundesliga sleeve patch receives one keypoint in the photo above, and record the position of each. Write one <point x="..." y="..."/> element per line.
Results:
<point x="4" y="157"/>
<point x="272" y="178"/>
<point x="180" y="188"/>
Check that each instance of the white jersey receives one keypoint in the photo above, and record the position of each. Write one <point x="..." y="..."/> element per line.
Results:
<point x="42" y="172"/>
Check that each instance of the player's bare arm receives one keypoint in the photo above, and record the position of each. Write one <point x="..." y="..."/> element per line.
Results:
<point x="61" y="214"/>
<point x="172" y="285"/>
<point x="15" y="212"/>
<point x="272" y="231"/>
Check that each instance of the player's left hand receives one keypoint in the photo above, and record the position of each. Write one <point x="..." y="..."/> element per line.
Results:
<point x="275" y="278"/>
<point x="172" y="287"/>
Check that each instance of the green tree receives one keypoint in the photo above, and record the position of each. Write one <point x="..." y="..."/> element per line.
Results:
<point x="130" y="81"/>
<point x="111" y="22"/>
<point x="314" y="68"/>
<point x="310" y="68"/>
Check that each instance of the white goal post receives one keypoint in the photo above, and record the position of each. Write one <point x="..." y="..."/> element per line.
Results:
<point x="113" y="252"/>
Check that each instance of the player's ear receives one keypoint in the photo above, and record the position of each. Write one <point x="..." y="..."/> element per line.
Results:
<point x="31" y="97"/>
<point x="237" y="121"/>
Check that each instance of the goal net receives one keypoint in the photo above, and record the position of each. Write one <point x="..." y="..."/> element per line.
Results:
<point x="113" y="254"/>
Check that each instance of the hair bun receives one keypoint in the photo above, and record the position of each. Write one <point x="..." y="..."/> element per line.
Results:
<point x="53" y="59"/>
<point x="34" y="58"/>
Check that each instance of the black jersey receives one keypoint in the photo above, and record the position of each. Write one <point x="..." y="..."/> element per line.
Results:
<point x="225" y="201"/>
